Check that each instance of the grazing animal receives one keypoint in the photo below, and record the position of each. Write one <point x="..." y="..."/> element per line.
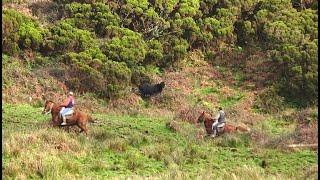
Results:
<point x="228" y="128"/>
<point x="147" y="90"/>
<point x="78" y="118"/>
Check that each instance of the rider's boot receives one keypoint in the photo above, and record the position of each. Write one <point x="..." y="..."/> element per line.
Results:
<point x="64" y="121"/>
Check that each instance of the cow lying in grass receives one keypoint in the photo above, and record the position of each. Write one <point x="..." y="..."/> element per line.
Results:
<point x="147" y="90"/>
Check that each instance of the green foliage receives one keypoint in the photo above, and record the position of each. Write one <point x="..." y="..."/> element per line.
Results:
<point x="125" y="46"/>
<point x="85" y="74"/>
<point x="155" y="53"/>
<point x="91" y="71"/>
<point x="140" y="75"/>
<point x="30" y="36"/>
<point x="291" y="38"/>
<point x="20" y="32"/>
<point x="92" y="17"/>
<point x="64" y="38"/>
<point x="269" y="101"/>
<point x="293" y="41"/>
<point x="175" y="52"/>
<point x="118" y="77"/>
<point x="161" y="32"/>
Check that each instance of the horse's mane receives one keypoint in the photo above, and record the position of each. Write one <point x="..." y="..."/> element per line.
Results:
<point x="206" y="116"/>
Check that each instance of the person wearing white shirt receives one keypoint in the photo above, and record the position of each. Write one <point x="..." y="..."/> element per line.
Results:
<point x="219" y="123"/>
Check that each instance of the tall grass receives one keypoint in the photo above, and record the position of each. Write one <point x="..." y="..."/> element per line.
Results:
<point x="138" y="147"/>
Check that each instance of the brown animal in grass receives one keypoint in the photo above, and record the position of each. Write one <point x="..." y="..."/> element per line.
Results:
<point x="78" y="118"/>
<point x="228" y="128"/>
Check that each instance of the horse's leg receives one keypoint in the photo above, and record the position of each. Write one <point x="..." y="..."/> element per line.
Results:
<point x="83" y="128"/>
<point x="67" y="128"/>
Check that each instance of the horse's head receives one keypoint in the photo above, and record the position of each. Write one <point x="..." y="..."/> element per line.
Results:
<point x="47" y="107"/>
<point x="201" y="118"/>
<point x="205" y="117"/>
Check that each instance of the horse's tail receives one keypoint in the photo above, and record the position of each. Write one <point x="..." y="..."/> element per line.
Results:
<point x="243" y="129"/>
<point x="95" y="121"/>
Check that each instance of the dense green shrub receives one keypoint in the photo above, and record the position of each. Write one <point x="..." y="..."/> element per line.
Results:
<point x="20" y="32"/>
<point x="92" y="17"/>
<point x="155" y="53"/>
<point x="125" y="46"/>
<point x="64" y="37"/>
<point x="134" y="35"/>
<point x="269" y="101"/>
<point x="176" y="52"/>
<point x="118" y="77"/>
<point x="140" y="75"/>
<point x="84" y="73"/>
<point x="292" y="38"/>
<point x="30" y="36"/>
<point x="91" y="71"/>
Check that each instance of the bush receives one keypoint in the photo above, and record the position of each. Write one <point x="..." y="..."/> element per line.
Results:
<point x="30" y="36"/>
<point x="85" y="74"/>
<point x="140" y="75"/>
<point x="175" y="52"/>
<point x="268" y="101"/>
<point x="155" y="53"/>
<point x="65" y="38"/>
<point x="91" y="71"/>
<point x="125" y="46"/>
<point x="92" y="17"/>
<point x="20" y="32"/>
<point x="118" y="76"/>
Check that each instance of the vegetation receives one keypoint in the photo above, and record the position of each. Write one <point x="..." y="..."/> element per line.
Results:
<point x="138" y="146"/>
<point x="257" y="59"/>
<point x="139" y="34"/>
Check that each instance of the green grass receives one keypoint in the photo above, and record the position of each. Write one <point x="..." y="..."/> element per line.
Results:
<point x="276" y="127"/>
<point x="133" y="146"/>
<point x="230" y="101"/>
<point x="209" y="90"/>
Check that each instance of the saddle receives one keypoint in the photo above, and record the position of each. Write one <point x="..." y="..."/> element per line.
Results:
<point x="221" y="128"/>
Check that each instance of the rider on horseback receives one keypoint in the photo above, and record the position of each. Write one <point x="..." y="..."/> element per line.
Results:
<point x="219" y="123"/>
<point x="67" y="107"/>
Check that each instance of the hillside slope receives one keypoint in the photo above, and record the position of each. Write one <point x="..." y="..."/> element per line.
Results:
<point x="132" y="140"/>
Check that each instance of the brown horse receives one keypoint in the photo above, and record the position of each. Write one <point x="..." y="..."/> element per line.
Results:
<point x="228" y="128"/>
<point x="78" y="118"/>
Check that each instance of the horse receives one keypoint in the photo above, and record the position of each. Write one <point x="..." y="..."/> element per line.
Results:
<point x="228" y="128"/>
<point x="78" y="118"/>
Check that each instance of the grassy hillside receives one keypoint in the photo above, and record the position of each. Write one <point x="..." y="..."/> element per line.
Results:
<point x="137" y="146"/>
<point x="154" y="138"/>
<point x="257" y="59"/>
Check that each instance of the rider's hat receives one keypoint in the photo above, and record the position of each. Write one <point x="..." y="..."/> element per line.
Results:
<point x="71" y="93"/>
